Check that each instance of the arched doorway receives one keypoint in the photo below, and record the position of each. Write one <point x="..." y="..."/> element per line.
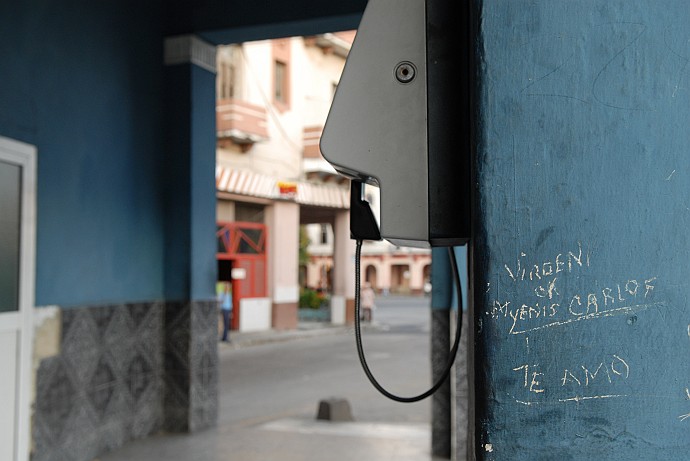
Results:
<point x="400" y="278"/>
<point x="370" y="276"/>
<point x="426" y="279"/>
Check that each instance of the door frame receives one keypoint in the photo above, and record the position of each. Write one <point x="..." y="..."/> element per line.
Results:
<point x="24" y="155"/>
<point x="230" y="235"/>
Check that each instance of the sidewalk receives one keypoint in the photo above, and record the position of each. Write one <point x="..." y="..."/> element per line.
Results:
<point x="291" y="432"/>
<point x="310" y="329"/>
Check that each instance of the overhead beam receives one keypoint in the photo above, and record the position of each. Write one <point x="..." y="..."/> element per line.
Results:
<point x="231" y="21"/>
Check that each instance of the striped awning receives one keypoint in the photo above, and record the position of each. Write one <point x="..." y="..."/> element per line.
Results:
<point x="242" y="182"/>
<point x="323" y="195"/>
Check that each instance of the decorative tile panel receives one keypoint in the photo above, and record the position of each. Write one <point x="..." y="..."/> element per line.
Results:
<point x="105" y="387"/>
<point x="126" y="371"/>
<point x="101" y="387"/>
<point x="191" y="371"/>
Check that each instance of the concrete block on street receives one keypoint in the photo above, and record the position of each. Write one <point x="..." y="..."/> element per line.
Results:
<point x="334" y="409"/>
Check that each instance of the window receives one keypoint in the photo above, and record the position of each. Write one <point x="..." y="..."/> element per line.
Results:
<point x="10" y="205"/>
<point x="228" y="60"/>
<point x="324" y="234"/>
<point x="17" y="231"/>
<point x="227" y="80"/>
<point x="280" y="82"/>
<point x="281" y="56"/>
<point x="249" y="212"/>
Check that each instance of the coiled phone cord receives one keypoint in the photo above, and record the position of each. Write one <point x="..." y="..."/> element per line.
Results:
<point x="358" y="333"/>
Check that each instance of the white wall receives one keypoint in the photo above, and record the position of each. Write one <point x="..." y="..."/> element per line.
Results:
<point x="255" y="314"/>
<point x="282" y="219"/>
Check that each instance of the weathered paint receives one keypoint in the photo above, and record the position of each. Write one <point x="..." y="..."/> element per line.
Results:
<point x="581" y="243"/>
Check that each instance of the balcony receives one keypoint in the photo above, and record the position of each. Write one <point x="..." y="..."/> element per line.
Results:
<point x="240" y="122"/>
<point x="315" y="167"/>
<point x="338" y="43"/>
<point x="311" y="137"/>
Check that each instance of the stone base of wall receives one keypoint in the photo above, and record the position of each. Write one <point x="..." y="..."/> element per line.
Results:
<point x="462" y="394"/>
<point x="124" y="372"/>
<point x="441" y="413"/>
<point x="191" y="366"/>
<point x="284" y="316"/>
<point x="349" y="311"/>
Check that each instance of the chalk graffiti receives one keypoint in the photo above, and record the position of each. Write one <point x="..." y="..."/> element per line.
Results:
<point x="552" y="306"/>
<point x="616" y="368"/>
<point x="687" y="397"/>
<point x="532" y="295"/>
<point x="534" y="384"/>
<point x="573" y="383"/>
<point x="562" y="262"/>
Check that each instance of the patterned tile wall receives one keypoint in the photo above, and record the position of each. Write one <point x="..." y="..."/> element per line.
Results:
<point x="125" y="372"/>
<point x="191" y="365"/>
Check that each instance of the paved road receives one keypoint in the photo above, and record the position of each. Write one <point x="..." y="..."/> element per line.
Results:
<point x="269" y="396"/>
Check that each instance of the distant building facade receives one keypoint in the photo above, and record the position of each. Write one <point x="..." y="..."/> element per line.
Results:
<point x="388" y="268"/>
<point x="273" y="98"/>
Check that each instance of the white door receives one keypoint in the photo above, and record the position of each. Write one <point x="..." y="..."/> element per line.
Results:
<point x="17" y="236"/>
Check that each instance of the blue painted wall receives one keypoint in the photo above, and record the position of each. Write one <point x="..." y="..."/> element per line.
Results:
<point x="82" y="81"/>
<point x="580" y="276"/>
<point x="444" y="292"/>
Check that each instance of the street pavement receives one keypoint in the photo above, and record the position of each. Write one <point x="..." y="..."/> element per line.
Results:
<point x="271" y="383"/>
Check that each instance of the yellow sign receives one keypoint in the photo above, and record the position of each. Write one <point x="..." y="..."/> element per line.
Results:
<point x="287" y="189"/>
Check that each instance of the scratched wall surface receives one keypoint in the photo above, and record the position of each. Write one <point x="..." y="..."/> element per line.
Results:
<point x="581" y="274"/>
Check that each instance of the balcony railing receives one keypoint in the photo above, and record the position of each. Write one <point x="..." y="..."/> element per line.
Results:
<point x="241" y="122"/>
<point x="311" y="137"/>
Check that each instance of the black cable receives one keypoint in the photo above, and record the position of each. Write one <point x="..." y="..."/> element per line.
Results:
<point x="358" y="333"/>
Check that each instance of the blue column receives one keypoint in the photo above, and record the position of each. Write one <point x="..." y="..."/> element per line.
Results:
<point x="444" y="311"/>
<point x="189" y="169"/>
<point x="581" y="244"/>
<point x="191" y="359"/>
<point x="441" y="313"/>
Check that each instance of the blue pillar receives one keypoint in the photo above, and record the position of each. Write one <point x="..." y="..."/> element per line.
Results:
<point x="441" y="314"/>
<point x="444" y="311"/>
<point x="191" y="360"/>
<point x="581" y="243"/>
<point x="189" y="167"/>
<point x="444" y="306"/>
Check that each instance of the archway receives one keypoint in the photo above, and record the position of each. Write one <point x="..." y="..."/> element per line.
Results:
<point x="400" y="278"/>
<point x="370" y="276"/>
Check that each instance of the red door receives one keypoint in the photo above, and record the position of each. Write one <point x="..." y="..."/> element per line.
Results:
<point x="244" y="244"/>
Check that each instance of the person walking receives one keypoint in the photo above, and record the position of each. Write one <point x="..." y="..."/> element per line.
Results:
<point x="225" y="300"/>
<point x="367" y="302"/>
